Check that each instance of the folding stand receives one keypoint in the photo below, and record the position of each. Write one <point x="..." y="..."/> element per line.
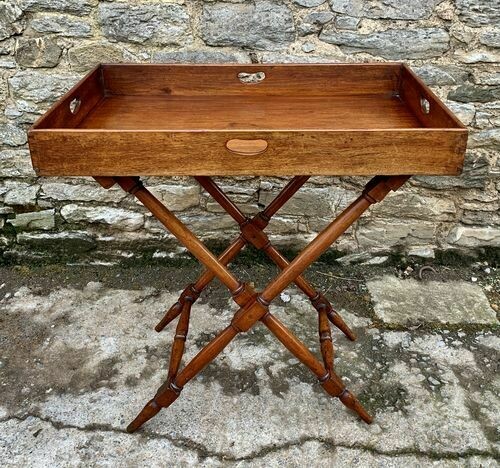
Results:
<point x="254" y="306"/>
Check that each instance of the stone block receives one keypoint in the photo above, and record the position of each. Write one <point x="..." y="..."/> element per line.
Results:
<point x="85" y="57"/>
<point x="473" y="237"/>
<point x="347" y="22"/>
<point x="206" y="223"/>
<point x="478" y="56"/>
<point x="73" y="242"/>
<point x="488" y="115"/>
<point x="491" y="37"/>
<point x="19" y="193"/>
<point x="117" y="218"/>
<point x="283" y="225"/>
<point x="145" y="23"/>
<point x="464" y="111"/>
<point x="200" y="56"/>
<point x="62" y="25"/>
<point x="404" y="204"/>
<point x="35" y="220"/>
<point x="309" y="3"/>
<point x="489" y="138"/>
<point x="313" y="22"/>
<point x="441" y="75"/>
<point x="474" y="93"/>
<point x="177" y="197"/>
<point x="40" y="87"/>
<point x="388" y="9"/>
<point x="263" y="24"/>
<point x="477" y="13"/>
<point x="11" y="135"/>
<point x="11" y="21"/>
<point x="16" y="163"/>
<point x="394" y="44"/>
<point x="306" y="202"/>
<point x="80" y="192"/>
<point x="77" y="7"/>
<point x="38" y="52"/>
<point x="389" y="233"/>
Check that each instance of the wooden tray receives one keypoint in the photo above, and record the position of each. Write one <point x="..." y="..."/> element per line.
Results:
<point x="330" y="119"/>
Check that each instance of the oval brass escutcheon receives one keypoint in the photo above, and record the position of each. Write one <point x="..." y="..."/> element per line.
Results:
<point x="247" y="147"/>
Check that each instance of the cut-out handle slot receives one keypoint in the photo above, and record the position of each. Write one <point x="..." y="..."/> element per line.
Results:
<point x="246" y="147"/>
<point x="425" y="105"/>
<point x="74" y="105"/>
<point x="251" y="78"/>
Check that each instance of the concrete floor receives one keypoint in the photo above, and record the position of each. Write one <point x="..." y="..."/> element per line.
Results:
<point x="79" y="358"/>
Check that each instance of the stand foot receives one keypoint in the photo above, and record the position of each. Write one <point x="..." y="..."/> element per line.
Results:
<point x="164" y="397"/>
<point x="171" y="314"/>
<point x="338" y="321"/>
<point x="349" y="400"/>
<point x="151" y="409"/>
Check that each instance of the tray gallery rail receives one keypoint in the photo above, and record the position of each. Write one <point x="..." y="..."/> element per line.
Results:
<point x="125" y="121"/>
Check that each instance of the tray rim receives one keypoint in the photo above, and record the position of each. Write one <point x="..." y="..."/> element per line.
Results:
<point x="35" y="127"/>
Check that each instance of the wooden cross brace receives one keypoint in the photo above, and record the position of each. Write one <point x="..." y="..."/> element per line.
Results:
<point x="254" y="306"/>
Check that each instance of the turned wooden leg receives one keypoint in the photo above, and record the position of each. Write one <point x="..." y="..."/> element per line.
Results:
<point x="325" y="340"/>
<point x="187" y="297"/>
<point x="318" y="301"/>
<point x="179" y="341"/>
<point x="349" y="400"/>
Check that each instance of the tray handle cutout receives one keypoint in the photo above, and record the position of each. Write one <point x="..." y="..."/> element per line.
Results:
<point x="251" y="78"/>
<point x="246" y="147"/>
<point x="425" y="105"/>
<point x="74" y="105"/>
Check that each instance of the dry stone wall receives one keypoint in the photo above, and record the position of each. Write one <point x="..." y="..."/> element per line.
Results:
<point x="47" y="45"/>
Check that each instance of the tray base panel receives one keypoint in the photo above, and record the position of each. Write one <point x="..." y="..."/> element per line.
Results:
<point x="250" y="112"/>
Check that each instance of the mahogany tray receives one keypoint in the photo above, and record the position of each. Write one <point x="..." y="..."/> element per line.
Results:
<point x="324" y="119"/>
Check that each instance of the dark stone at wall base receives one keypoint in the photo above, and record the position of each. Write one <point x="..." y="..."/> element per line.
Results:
<point x="61" y="243"/>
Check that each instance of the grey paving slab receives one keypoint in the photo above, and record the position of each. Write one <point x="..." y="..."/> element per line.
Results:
<point x="409" y="301"/>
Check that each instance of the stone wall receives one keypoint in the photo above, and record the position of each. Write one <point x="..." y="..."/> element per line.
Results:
<point x="47" y="45"/>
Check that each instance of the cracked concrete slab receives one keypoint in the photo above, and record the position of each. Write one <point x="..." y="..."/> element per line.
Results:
<point x="80" y="360"/>
<point x="408" y="301"/>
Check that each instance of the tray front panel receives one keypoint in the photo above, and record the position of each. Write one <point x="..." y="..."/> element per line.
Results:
<point x="113" y="153"/>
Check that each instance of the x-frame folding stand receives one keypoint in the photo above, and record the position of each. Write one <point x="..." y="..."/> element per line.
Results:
<point x="254" y="306"/>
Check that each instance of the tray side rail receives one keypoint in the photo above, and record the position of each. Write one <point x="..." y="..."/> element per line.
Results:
<point x="251" y="79"/>
<point x="67" y="113"/>
<point x="425" y="105"/>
